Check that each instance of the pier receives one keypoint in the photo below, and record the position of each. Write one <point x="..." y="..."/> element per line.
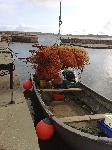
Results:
<point x="23" y="37"/>
<point x="17" y="130"/>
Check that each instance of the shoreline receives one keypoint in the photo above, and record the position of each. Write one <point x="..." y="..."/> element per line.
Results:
<point x="93" y="46"/>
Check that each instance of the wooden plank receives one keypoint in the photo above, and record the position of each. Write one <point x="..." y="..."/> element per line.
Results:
<point x="57" y="103"/>
<point x="60" y="90"/>
<point x="82" y="118"/>
<point x="97" y="116"/>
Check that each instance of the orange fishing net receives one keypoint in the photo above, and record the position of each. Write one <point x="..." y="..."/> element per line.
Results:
<point x="50" y="60"/>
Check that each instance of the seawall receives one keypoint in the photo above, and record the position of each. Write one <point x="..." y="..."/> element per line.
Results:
<point x="88" y="42"/>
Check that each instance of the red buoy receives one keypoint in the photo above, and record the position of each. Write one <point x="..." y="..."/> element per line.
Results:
<point x="27" y="84"/>
<point x="45" y="129"/>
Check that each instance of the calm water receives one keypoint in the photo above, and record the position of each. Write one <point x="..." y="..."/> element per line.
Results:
<point x="97" y="75"/>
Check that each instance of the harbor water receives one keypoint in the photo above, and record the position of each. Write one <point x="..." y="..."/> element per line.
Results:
<point x="97" y="75"/>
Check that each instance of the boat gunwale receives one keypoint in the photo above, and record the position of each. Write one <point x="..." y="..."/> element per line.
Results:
<point x="67" y="127"/>
<point x="103" y="97"/>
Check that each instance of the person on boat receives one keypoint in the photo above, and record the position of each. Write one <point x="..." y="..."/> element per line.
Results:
<point x="70" y="77"/>
<point x="70" y="74"/>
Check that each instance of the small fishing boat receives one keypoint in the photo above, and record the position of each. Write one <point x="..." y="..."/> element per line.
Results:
<point x="80" y="115"/>
<point x="77" y="117"/>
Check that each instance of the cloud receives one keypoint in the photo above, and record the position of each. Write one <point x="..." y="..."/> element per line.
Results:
<point x="28" y="28"/>
<point x="106" y="29"/>
<point x="7" y="8"/>
<point x="35" y="28"/>
<point x="51" y="3"/>
<point x="108" y="25"/>
<point x="6" y="27"/>
<point x="78" y="16"/>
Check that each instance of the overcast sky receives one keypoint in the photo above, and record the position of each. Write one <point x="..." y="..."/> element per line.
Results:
<point x="78" y="16"/>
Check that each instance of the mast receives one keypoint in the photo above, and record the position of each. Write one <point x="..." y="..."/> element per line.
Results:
<point x="60" y="21"/>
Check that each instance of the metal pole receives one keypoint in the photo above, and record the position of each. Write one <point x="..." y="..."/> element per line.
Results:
<point x="11" y="83"/>
<point x="11" y="76"/>
<point x="60" y="22"/>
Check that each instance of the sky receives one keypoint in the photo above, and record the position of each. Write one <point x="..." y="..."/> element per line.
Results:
<point x="78" y="16"/>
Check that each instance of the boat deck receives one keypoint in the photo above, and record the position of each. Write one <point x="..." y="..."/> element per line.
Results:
<point x="66" y="108"/>
<point x="72" y="107"/>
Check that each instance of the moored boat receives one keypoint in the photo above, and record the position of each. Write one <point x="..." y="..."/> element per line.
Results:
<point x="76" y="117"/>
<point x="74" y="109"/>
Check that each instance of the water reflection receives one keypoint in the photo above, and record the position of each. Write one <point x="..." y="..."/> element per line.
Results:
<point x="97" y="75"/>
<point x="23" y="70"/>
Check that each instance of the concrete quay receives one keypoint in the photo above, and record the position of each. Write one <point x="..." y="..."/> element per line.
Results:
<point x="17" y="130"/>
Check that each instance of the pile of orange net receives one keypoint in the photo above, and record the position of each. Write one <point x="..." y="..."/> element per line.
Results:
<point x="50" y="60"/>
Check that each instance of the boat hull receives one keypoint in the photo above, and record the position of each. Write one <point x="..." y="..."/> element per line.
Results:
<point x="75" y="138"/>
<point x="79" y="140"/>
